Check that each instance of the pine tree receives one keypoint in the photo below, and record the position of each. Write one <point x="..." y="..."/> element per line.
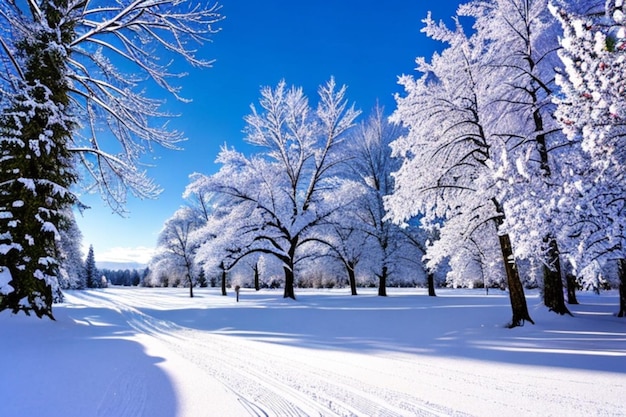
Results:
<point x="135" y="278"/>
<point x="57" y="71"/>
<point x="202" y="282"/>
<point x="91" y="272"/>
<point x="36" y="168"/>
<point x="72" y="267"/>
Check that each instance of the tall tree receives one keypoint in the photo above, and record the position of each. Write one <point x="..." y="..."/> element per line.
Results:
<point x="91" y="271"/>
<point x="522" y="38"/>
<point x="72" y="266"/>
<point x="291" y="186"/>
<point x="450" y="154"/>
<point x="61" y="63"/>
<point x="371" y="164"/>
<point x="592" y="112"/>
<point x="176" y="240"/>
<point x="37" y="167"/>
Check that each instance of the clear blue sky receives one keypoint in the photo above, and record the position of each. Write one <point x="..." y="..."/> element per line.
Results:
<point x="362" y="43"/>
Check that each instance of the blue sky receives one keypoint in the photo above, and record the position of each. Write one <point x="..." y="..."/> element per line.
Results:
<point x="364" y="44"/>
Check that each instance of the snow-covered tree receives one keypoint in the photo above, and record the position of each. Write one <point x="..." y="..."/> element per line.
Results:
<point x="522" y="40"/>
<point x="92" y="275"/>
<point x="37" y="167"/>
<point x="289" y="189"/>
<point x="72" y="267"/>
<point x="371" y="164"/>
<point x="592" y="112"/>
<point x="164" y="271"/>
<point x="222" y="236"/>
<point x="348" y="244"/>
<point x="202" y="281"/>
<point x="107" y="51"/>
<point x="177" y="242"/>
<point x="63" y="83"/>
<point x="450" y="154"/>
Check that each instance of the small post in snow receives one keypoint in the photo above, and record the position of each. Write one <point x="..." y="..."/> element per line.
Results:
<point x="237" y="288"/>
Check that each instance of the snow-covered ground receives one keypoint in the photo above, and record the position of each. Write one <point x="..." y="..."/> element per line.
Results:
<point x="157" y="352"/>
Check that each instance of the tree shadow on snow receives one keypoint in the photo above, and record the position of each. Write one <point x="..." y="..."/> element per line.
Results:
<point x="465" y="326"/>
<point x="82" y="364"/>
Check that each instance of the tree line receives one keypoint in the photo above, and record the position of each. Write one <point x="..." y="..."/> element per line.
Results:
<point x="502" y="163"/>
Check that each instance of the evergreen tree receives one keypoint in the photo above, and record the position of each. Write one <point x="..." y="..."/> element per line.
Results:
<point x="36" y="168"/>
<point x="91" y="272"/>
<point x="202" y="281"/>
<point x="56" y="59"/>
<point x="72" y="267"/>
<point x="135" y="278"/>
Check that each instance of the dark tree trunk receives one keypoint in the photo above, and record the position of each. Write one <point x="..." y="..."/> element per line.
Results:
<point x="571" y="288"/>
<point x="288" y="267"/>
<point x="256" y="277"/>
<point x="351" y="278"/>
<point x="190" y="286"/>
<point x="224" y="281"/>
<point x="289" y="278"/>
<point x="516" y="290"/>
<point x="382" y="283"/>
<point x="552" y="282"/>
<point x="431" y="285"/>
<point x="621" y="268"/>
<point x="552" y="277"/>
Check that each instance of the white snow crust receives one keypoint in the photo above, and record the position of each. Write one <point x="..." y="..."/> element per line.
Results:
<point x="157" y="352"/>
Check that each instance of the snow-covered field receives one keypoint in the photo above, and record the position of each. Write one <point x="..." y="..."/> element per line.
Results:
<point x="157" y="352"/>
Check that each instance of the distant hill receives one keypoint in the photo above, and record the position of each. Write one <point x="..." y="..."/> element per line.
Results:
<point x="120" y="266"/>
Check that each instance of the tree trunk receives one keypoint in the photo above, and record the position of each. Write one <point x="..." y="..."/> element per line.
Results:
<point x="571" y="288"/>
<point x="190" y="286"/>
<point x="256" y="277"/>
<point x="552" y="282"/>
<point x="431" y="285"/>
<point x="382" y="283"/>
<point x="289" y="278"/>
<point x="224" y="281"/>
<point x="351" y="279"/>
<point x="621" y="268"/>
<point x="516" y="291"/>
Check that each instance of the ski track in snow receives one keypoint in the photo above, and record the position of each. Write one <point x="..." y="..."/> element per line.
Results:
<point x="268" y="384"/>
<point x="279" y="380"/>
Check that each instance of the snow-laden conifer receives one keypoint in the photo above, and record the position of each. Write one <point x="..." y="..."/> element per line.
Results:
<point x="37" y="167"/>
<point x="73" y="75"/>
<point x="92" y="276"/>
<point x="72" y="266"/>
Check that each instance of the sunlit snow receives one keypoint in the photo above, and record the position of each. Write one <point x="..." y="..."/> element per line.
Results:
<point x="157" y="352"/>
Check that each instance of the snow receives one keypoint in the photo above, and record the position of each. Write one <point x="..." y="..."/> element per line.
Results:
<point x="5" y="278"/>
<point x="157" y="352"/>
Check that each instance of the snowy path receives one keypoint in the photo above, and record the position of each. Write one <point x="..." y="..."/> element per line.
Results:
<point x="244" y="376"/>
<point x="272" y="380"/>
